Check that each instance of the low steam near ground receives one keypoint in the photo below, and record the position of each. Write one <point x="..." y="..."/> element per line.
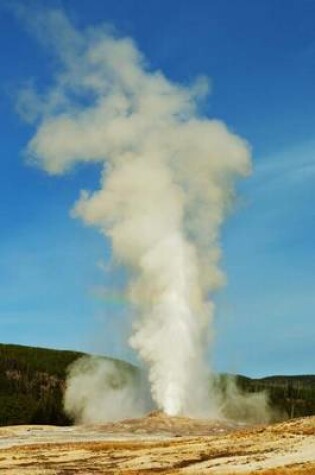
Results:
<point x="100" y="390"/>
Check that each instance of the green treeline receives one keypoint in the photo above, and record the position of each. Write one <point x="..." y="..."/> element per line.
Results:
<point x="32" y="381"/>
<point x="31" y="385"/>
<point x="293" y="395"/>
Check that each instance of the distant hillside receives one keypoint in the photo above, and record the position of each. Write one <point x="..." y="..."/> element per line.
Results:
<point x="32" y="382"/>
<point x="293" y="396"/>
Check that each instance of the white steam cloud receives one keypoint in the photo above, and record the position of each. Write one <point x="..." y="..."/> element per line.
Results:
<point x="167" y="183"/>
<point x="101" y="390"/>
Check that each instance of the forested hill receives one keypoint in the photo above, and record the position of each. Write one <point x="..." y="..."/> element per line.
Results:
<point x="295" y="395"/>
<point x="32" y="381"/>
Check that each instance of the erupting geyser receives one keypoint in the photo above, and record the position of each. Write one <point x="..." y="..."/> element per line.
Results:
<point x="167" y="182"/>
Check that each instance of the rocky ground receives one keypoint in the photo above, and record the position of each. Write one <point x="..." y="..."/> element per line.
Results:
<point x="162" y="445"/>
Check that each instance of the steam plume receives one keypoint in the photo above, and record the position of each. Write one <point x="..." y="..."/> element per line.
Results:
<point x="166" y="186"/>
<point x="101" y="390"/>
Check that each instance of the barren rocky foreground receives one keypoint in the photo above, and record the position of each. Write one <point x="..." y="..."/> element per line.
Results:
<point x="162" y="445"/>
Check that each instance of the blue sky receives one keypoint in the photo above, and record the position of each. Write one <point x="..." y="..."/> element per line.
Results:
<point x="260" y="56"/>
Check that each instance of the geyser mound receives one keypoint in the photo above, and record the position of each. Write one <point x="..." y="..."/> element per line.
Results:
<point x="157" y="423"/>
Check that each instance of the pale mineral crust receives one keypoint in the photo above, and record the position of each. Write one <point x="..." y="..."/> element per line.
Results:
<point x="162" y="445"/>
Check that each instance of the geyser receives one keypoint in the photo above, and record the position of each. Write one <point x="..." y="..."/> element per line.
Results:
<point x="167" y="183"/>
